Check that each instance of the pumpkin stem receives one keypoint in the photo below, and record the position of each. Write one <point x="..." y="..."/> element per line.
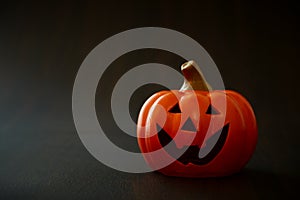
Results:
<point x="194" y="79"/>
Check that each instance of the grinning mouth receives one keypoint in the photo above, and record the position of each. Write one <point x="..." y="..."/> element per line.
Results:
<point x="191" y="155"/>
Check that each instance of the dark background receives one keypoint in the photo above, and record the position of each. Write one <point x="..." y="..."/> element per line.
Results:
<point x="42" y="45"/>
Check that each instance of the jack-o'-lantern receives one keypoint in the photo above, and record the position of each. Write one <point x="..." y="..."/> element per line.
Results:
<point x="205" y="132"/>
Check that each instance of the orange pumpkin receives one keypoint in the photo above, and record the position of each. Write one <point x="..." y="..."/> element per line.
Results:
<point x="205" y="133"/>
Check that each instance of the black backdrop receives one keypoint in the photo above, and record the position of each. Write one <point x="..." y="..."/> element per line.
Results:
<point x="42" y="45"/>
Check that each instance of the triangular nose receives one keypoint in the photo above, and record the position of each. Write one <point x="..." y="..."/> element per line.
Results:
<point x="189" y="126"/>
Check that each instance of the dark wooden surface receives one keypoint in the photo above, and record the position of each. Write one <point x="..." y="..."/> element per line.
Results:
<point x="42" y="45"/>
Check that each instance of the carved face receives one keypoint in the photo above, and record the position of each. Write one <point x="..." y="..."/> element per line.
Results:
<point x="215" y="139"/>
<point x="191" y="154"/>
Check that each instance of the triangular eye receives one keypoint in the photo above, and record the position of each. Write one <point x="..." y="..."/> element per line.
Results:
<point x="189" y="125"/>
<point x="175" y="109"/>
<point x="211" y="110"/>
